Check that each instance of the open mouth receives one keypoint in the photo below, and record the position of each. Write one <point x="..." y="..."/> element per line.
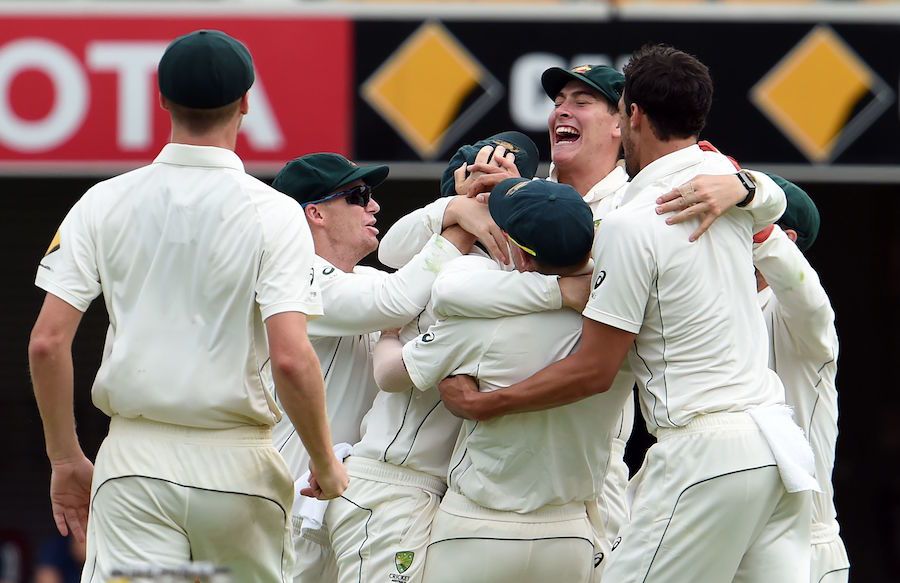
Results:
<point x="566" y="135"/>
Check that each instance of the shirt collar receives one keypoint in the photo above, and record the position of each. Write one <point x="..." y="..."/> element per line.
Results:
<point x="606" y="187"/>
<point x="207" y="156"/>
<point x="662" y="167"/>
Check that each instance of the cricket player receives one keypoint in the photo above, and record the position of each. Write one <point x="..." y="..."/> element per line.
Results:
<point x="205" y="273"/>
<point x="585" y="144"/>
<point x="336" y="197"/>
<point x="803" y="350"/>
<point x="519" y="485"/>
<point x="380" y="528"/>
<point x="722" y="495"/>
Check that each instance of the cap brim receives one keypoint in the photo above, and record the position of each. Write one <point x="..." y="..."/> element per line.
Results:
<point x="371" y="175"/>
<point x="555" y="78"/>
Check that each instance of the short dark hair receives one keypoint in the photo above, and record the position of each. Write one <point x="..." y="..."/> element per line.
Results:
<point x="201" y="121"/>
<point x="672" y="87"/>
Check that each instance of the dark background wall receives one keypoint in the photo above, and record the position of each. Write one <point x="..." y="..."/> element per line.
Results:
<point x="857" y="256"/>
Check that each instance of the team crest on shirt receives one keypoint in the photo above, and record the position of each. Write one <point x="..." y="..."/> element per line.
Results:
<point x="404" y="560"/>
<point x="54" y="244"/>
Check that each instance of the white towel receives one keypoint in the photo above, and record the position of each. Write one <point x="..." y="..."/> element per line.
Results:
<point x="794" y="456"/>
<point x="312" y="510"/>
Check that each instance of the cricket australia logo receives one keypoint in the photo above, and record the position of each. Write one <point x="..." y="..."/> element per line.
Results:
<point x="403" y="560"/>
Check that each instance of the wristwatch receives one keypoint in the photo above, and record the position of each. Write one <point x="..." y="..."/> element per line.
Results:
<point x="748" y="183"/>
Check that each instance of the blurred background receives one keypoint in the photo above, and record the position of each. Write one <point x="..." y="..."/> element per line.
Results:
<point x="805" y="89"/>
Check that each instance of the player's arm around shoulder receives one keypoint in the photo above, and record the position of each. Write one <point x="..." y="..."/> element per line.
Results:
<point x="476" y="287"/>
<point x="589" y="370"/>
<point x="368" y="300"/>
<point x="411" y="232"/>
<point x="803" y="303"/>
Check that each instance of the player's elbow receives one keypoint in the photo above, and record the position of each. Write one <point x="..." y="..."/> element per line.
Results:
<point x="293" y="364"/>
<point x="45" y="345"/>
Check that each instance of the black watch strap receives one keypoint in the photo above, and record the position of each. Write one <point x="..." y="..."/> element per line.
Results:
<point x="749" y="184"/>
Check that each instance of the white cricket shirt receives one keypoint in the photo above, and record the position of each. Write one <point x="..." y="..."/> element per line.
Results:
<point x="357" y="306"/>
<point x="191" y="255"/>
<point x="524" y="461"/>
<point x="803" y="350"/>
<point x="700" y="345"/>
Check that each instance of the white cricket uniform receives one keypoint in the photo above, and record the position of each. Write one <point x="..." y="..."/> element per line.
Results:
<point x="357" y="306"/>
<point x="711" y="502"/>
<point x="398" y="469"/>
<point x="803" y="350"/>
<point x="191" y="255"/>
<point x="519" y="477"/>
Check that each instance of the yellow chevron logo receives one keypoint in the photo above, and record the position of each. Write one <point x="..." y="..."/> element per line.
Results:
<point x="822" y="95"/>
<point x="431" y="90"/>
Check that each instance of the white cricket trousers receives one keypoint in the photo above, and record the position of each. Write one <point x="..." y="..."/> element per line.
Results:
<point x="164" y="495"/>
<point x="314" y="560"/>
<point x="709" y="505"/>
<point x="829" y="562"/>
<point x="478" y="545"/>
<point x="380" y="527"/>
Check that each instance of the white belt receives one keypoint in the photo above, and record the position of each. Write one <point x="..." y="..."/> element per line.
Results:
<point x="393" y="474"/>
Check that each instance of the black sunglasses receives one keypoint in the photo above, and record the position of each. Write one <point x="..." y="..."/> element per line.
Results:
<point x="358" y="195"/>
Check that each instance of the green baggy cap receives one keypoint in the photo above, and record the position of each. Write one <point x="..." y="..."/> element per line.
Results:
<point x="205" y="69"/>
<point x="522" y="146"/>
<point x="312" y="177"/>
<point x="801" y="213"/>
<point x="606" y="80"/>
<point x="548" y="220"/>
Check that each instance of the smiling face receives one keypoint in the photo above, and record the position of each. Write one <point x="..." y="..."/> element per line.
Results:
<point x="583" y="126"/>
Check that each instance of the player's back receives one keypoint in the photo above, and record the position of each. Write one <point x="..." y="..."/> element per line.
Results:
<point x="546" y="457"/>
<point x="179" y="253"/>
<point x="701" y="340"/>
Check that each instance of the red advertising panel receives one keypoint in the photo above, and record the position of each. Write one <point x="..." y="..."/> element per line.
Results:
<point x="81" y="91"/>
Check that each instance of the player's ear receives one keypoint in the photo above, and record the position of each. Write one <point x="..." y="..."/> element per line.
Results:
<point x="163" y="103"/>
<point x="792" y="234"/>
<point x="314" y="215"/>
<point x="245" y="103"/>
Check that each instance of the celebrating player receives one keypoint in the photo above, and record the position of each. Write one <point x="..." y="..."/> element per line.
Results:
<point x="336" y="196"/>
<point x="684" y="313"/>
<point x="519" y="486"/>
<point x="803" y="350"/>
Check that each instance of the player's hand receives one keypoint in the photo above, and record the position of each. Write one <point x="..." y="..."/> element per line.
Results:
<point x="461" y="397"/>
<point x="503" y="166"/>
<point x="463" y="178"/>
<point x="575" y="291"/>
<point x="706" y="197"/>
<point x="327" y="483"/>
<point x="475" y="218"/>
<point x="70" y="495"/>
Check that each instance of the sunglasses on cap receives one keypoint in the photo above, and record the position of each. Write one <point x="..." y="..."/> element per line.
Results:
<point x="358" y="195"/>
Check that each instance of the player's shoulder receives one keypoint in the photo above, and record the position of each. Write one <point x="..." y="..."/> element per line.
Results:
<point x="715" y="163"/>
<point x="119" y="185"/>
